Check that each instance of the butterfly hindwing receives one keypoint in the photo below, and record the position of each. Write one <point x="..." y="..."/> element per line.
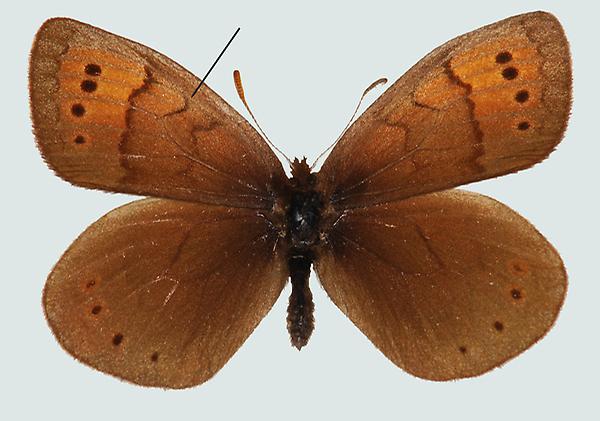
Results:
<point x="446" y="285"/>
<point x="161" y="292"/>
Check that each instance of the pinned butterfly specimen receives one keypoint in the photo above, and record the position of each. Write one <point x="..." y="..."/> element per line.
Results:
<point x="163" y="291"/>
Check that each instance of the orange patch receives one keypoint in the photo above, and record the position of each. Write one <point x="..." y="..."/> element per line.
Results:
<point x="106" y="90"/>
<point x="160" y="99"/>
<point x="438" y="92"/>
<point x="494" y="77"/>
<point x="110" y="63"/>
<point x="493" y="101"/>
<point x="518" y="46"/>
<point x="88" y="111"/>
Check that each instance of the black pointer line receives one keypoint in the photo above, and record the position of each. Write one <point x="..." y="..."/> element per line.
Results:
<point x="214" y="64"/>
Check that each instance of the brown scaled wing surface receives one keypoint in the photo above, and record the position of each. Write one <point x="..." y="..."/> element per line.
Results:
<point x="490" y="102"/>
<point x="450" y="284"/>
<point x="446" y="285"/>
<point x="161" y="292"/>
<point x="112" y="114"/>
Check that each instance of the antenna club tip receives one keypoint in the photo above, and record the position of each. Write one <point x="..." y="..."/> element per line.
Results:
<point x="237" y="80"/>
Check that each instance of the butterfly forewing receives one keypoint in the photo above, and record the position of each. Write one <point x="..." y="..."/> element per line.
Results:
<point x="161" y="292"/>
<point x="487" y="103"/>
<point x="112" y="114"/>
<point x="446" y="285"/>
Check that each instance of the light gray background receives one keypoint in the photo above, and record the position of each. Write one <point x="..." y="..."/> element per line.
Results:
<point x="304" y="68"/>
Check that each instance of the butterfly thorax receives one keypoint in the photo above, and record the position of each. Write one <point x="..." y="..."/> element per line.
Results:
<point x="303" y="217"/>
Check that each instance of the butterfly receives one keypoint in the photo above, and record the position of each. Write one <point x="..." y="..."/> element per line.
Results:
<point x="161" y="292"/>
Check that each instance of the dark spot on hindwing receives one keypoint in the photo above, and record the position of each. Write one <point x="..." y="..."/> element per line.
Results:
<point x="117" y="339"/>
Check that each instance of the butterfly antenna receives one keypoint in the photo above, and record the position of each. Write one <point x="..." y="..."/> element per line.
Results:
<point x="237" y="79"/>
<point x="366" y="91"/>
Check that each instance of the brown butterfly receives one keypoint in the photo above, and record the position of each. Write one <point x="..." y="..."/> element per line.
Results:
<point x="162" y="292"/>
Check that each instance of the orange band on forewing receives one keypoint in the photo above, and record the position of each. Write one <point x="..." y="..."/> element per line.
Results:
<point x="94" y="112"/>
<point x="104" y="90"/>
<point x="159" y="99"/>
<point x="438" y="92"/>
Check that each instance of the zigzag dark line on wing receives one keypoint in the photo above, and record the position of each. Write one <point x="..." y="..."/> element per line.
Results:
<point x="148" y="80"/>
<point x="341" y="196"/>
<point x="479" y="151"/>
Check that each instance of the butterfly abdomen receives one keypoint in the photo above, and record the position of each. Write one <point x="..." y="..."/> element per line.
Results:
<point x="300" y="319"/>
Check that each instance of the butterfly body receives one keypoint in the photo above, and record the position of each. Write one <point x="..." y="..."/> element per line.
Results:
<point x="302" y="229"/>
<point x="163" y="291"/>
